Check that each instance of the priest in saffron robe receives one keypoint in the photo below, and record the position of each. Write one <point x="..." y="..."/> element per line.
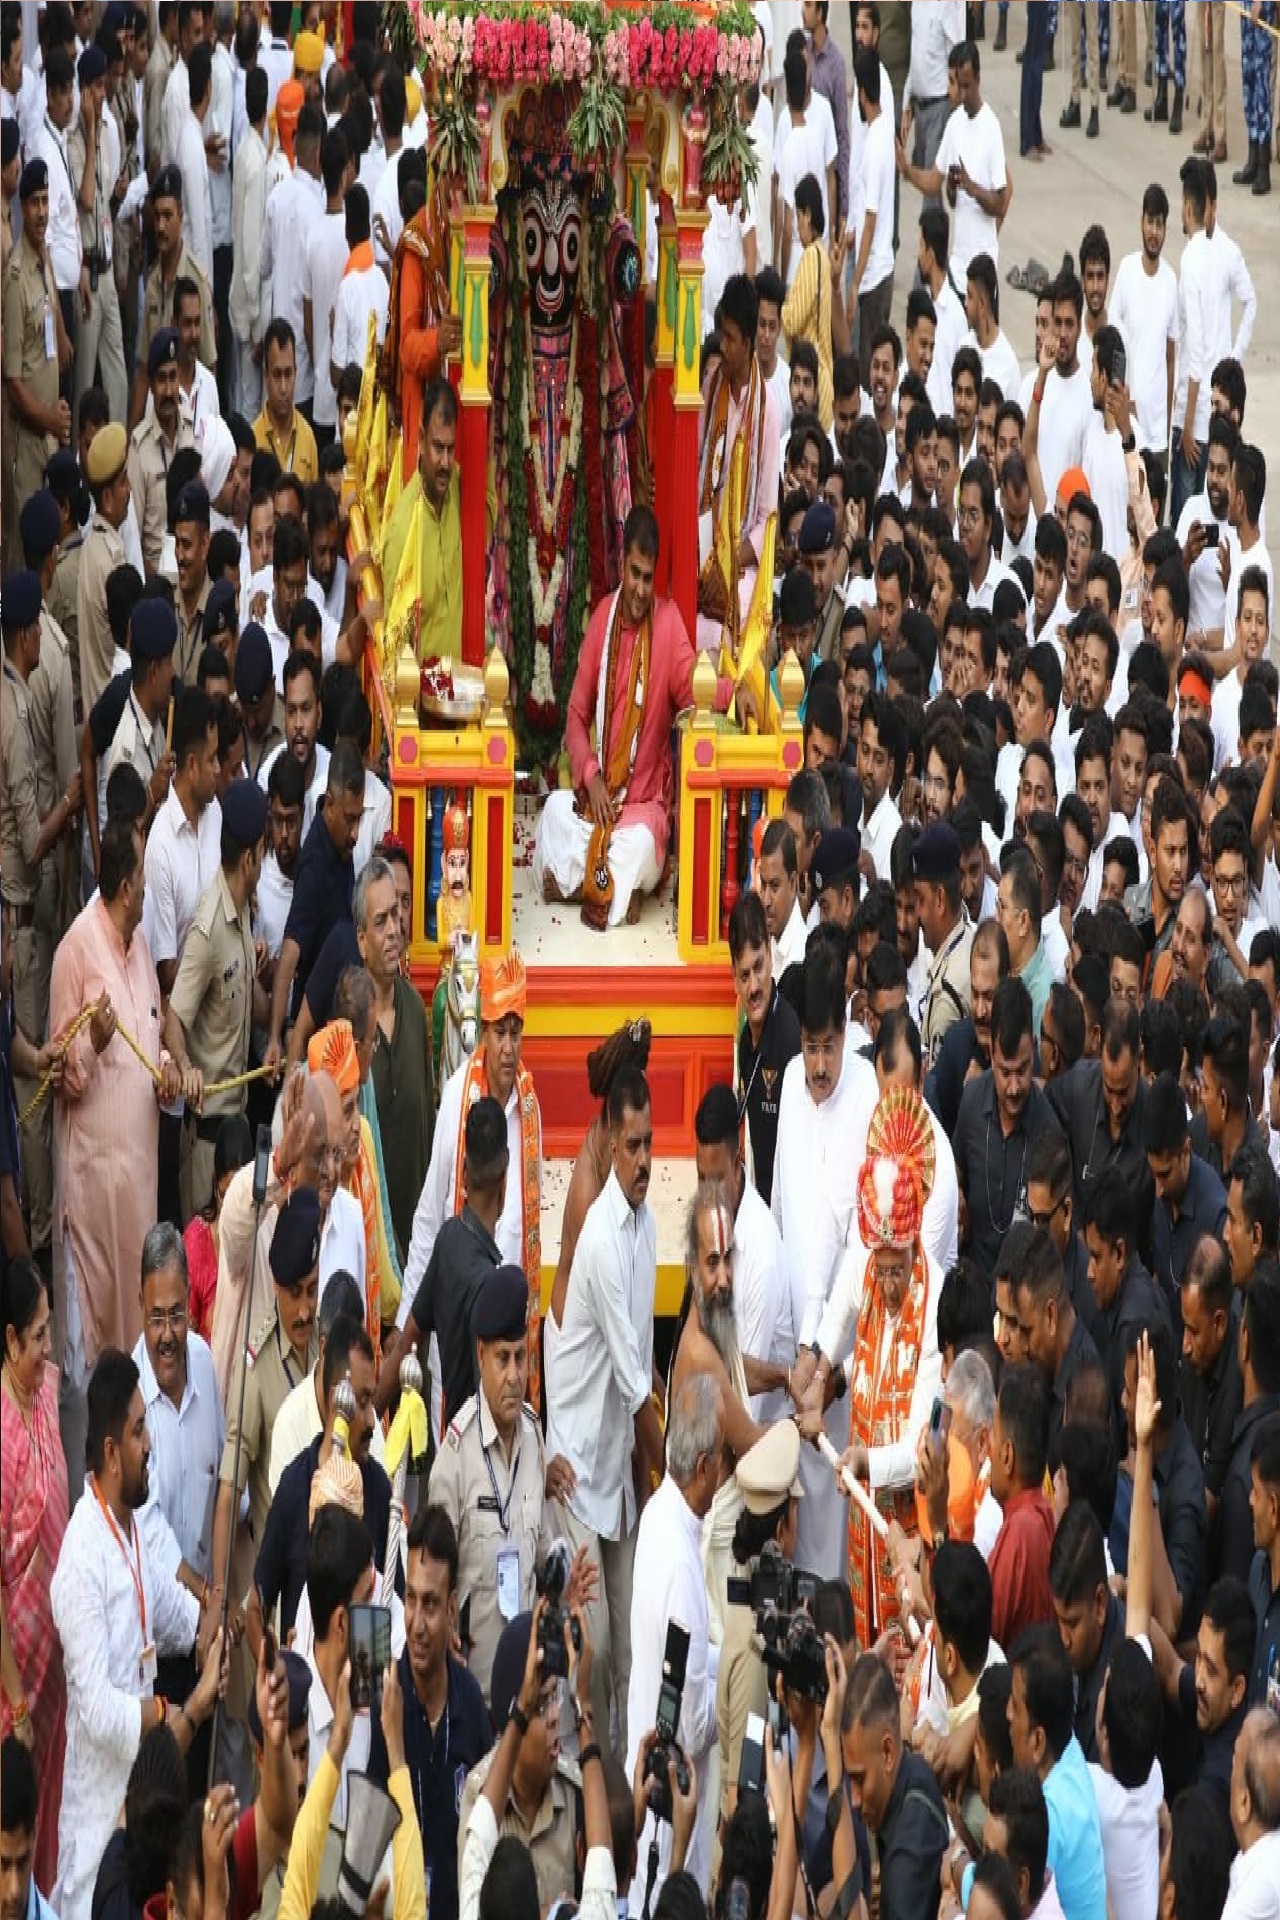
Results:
<point x="607" y="838"/>
<point x="736" y="404"/>
<point x="495" y="1069"/>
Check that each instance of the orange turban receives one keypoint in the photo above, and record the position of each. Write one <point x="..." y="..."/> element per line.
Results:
<point x="289" y="103"/>
<point x="333" y="1051"/>
<point x="897" y="1174"/>
<point x="502" y="987"/>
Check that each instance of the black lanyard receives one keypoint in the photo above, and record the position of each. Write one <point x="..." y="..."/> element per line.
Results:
<point x="503" y="1512"/>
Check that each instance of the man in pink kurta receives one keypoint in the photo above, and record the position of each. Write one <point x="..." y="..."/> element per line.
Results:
<point x="638" y="808"/>
<point x="106" y="1128"/>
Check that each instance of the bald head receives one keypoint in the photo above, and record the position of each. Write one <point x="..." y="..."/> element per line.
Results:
<point x="1255" y="1786"/>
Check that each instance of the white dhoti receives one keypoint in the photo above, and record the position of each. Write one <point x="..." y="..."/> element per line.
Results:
<point x="564" y="837"/>
<point x="822" y="1528"/>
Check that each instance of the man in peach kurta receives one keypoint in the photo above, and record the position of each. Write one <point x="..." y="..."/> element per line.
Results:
<point x="634" y="675"/>
<point x="106" y="1128"/>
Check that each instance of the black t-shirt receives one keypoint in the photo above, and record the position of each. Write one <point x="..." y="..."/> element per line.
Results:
<point x="760" y="1085"/>
<point x="461" y="1261"/>
<point x="439" y="1761"/>
<point x="281" y="1568"/>
<point x="104" y="714"/>
<point x="340" y="951"/>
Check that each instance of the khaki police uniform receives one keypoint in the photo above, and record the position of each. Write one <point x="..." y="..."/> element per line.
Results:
<point x="498" y="1508"/>
<point x="30" y="908"/>
<point x="149" y="457"/>
<point x="138" y="740"/>
<point x="157" y="307"/>
<point x="827" y="645"/>
<point x="61" y="603"/>
<point x="102" y="553"/>
<point x="213" y="998"/>
<point x="53" y="723"/>
<point x="550" y="1836"/>
<point x="190" y="634"/>
<point x="948" y="994"/>
<point x="29" y="352"/>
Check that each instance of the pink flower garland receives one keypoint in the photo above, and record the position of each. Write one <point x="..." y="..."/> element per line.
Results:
<point x="514" y="51"/>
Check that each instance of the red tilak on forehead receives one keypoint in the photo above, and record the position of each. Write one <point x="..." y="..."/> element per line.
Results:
<point x="723" y="1235"/>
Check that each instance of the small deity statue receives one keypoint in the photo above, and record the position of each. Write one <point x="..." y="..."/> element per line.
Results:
<point x="453" y="910"/>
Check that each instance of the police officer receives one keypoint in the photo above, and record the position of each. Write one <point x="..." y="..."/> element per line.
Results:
<point x="211" y="1012"/>
<point x="52" y="698"/>
<point x="820" y="556"/>
<point x="139" y="737"/>
<point x="191" y="554"/>
<point x="947" y="930"/>
<point x="65" y="482"/>
<point x="490" y="1474"/>
<point x="35" y="419"/>
<point x="94" y="169"/>
<point x="261" y="707"/>
<point x="834" y="873"/>
<point x="152" y="445"/>
<point x="173" y="262"/>
<point x="103" y="552"/>
<point x="27" y="838"/>
<point x="221" y="621"/>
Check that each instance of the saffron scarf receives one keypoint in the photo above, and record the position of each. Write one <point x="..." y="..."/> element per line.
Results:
<point x="713" y="465"/>
<point x="360" y="259"/>
<point x="618" y="741"/>
<point x="476" y="1087"/>
<point x="880" y="1409"/>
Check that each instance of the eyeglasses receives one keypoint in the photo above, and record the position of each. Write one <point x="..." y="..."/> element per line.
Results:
<point x="1234" y="883"/>
<point x="1045" y="1218"/>
<point x="969" y="517"/>
<point x="158" y="1319"/>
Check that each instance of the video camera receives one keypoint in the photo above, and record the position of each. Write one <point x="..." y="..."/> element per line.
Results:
<point x="551" y="1580"/>
<point x="782" y="1599"/>
<point x="666" y="1746"/>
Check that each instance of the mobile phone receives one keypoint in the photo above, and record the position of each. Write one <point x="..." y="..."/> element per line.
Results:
<point x="1212" y="532"/>
<point x="370" y="1655"/>
<point x="1119" y="367"/>
<point x="751" y="1765"/>
<point x="940" y="1421"/>
<point x="269" y="1649"/>
<point x="776" y="1714"/>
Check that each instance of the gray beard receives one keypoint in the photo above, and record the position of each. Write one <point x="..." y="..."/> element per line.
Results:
<point x="721" y="1329"/>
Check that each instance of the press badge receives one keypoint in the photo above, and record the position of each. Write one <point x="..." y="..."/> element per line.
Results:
<point x="147" y="1666"/>
<point x="508" y="1582"/>
<point x="50" y="336"/>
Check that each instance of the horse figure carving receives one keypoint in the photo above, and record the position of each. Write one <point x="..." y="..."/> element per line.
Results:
<point x="455" y="1008"/>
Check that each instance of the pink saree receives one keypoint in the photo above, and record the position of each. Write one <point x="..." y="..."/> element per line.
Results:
<point x="33" y="1519"/>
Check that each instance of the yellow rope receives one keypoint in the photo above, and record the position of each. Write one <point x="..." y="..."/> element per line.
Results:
<point x="1245" y="14"/>
<point x="82" y="1018"/>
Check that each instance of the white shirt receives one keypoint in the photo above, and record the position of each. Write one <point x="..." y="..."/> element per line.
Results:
<point x="274" y="898"/>
<point x="386" y="203"/>
<point x="878" y="834"/>
<point x="722" y="253"/>
<point x="95" y="1609"/>
<point x="999" y="363"/>
<point x="359" y="294"/>
<point x="788" y="949"/>
<point x="275" y="57"/>
<point x="600" y="1369"/>
<point x="1241" y="559"/>
<point x="1253" y="1889"/>
<point x="174" y="108"/>
<point x="779" y="385"/>
<point x="761" y="132"/>
<point x="1130" y="1822"/>
<point x="674" y="1587"/>
<point x="761" y="1296"/>
<point x="857" y="144"/>
<point x="1145" y="308"/>
<point x="296" y="1425"/>
<point x="949" y="337"/>
<point x="893" y="1464"/>
<point x="319" y="1721"/>
<point x="293" y="208"/>
<point x="316" y="786"/>
<point x="197" y="201"/>
<point x="218" y="120"/>
<point x="936" y="27"/>
<point x="63" y="236"/>
<point x="1230" y="279"/>
<point x="1208" y="595"/>
<point x="248" y="214"/>
<point x="180" y="861"/>
<point x="326" y="257"/>
<point x="1108" y="478"/>
<point x="879" y="178"/>
<point x="1199" y="331"/>
<point x="375" y="821"/>
<point x="979" y="143"/>
<point x="807" y="147"/>
<point x="815" y="1181"/>
<point x="186" y="1453"/>
<point x="342" y="1242"/>
<point x="1065" y="413"/>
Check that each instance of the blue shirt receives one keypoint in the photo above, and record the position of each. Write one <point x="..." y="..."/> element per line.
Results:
<point x="1075" y="1837"/>
<point x="1202" y="1209"/>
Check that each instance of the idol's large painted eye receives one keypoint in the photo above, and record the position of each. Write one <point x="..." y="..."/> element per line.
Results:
<point x="571" y="244"/>
<point x="532" y="243"/>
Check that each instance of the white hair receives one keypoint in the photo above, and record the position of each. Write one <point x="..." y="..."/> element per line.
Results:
<point x="971" y="1390"/>
<point x="694" y="1426"/>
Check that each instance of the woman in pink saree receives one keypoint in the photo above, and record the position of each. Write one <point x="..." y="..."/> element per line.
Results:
<point x="33" y="1519"/>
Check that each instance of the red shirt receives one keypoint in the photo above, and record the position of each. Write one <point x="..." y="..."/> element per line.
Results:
<point x="1019" y="1568"/>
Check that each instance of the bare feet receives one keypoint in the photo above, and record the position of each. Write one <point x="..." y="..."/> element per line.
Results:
<point x="551" y="889"/>
<point x="633" y="908"/>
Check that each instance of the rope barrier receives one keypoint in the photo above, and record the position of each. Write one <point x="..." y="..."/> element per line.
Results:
<point x="1264" y="26"/>
<point x="81" y="1020"/>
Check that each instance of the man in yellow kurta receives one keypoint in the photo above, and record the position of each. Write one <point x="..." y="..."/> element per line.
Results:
<point x="431" y="508"/>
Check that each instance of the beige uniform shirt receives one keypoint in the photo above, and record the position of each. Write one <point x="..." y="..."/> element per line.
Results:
<point x="61" y="603"/>
<point x="29" y="353"/>
<point x="157" y="307"/>
<point x="137" y="740"/>
<point x="53" y="720"/>
<point x="19" y="810"/>
<point x="190" y="635"/>
<point x="550" y="1836"/>
<point x="272" y="1375"/>
<point x="149" y="457"/>
<point x="499" y="1512"/>
<point x="948" y="997"/>
<point x="159" y="67"/>
<point x="213" y="993"/>
<point x="102" y="553"/>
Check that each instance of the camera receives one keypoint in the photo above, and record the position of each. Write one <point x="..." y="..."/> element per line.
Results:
<point x="782" y="1598"/>
<point x="666" y="1747"/>
<point x="552" y="1579"/>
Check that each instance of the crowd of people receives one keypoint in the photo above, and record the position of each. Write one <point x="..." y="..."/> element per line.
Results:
<point x="932" y="1562"/>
